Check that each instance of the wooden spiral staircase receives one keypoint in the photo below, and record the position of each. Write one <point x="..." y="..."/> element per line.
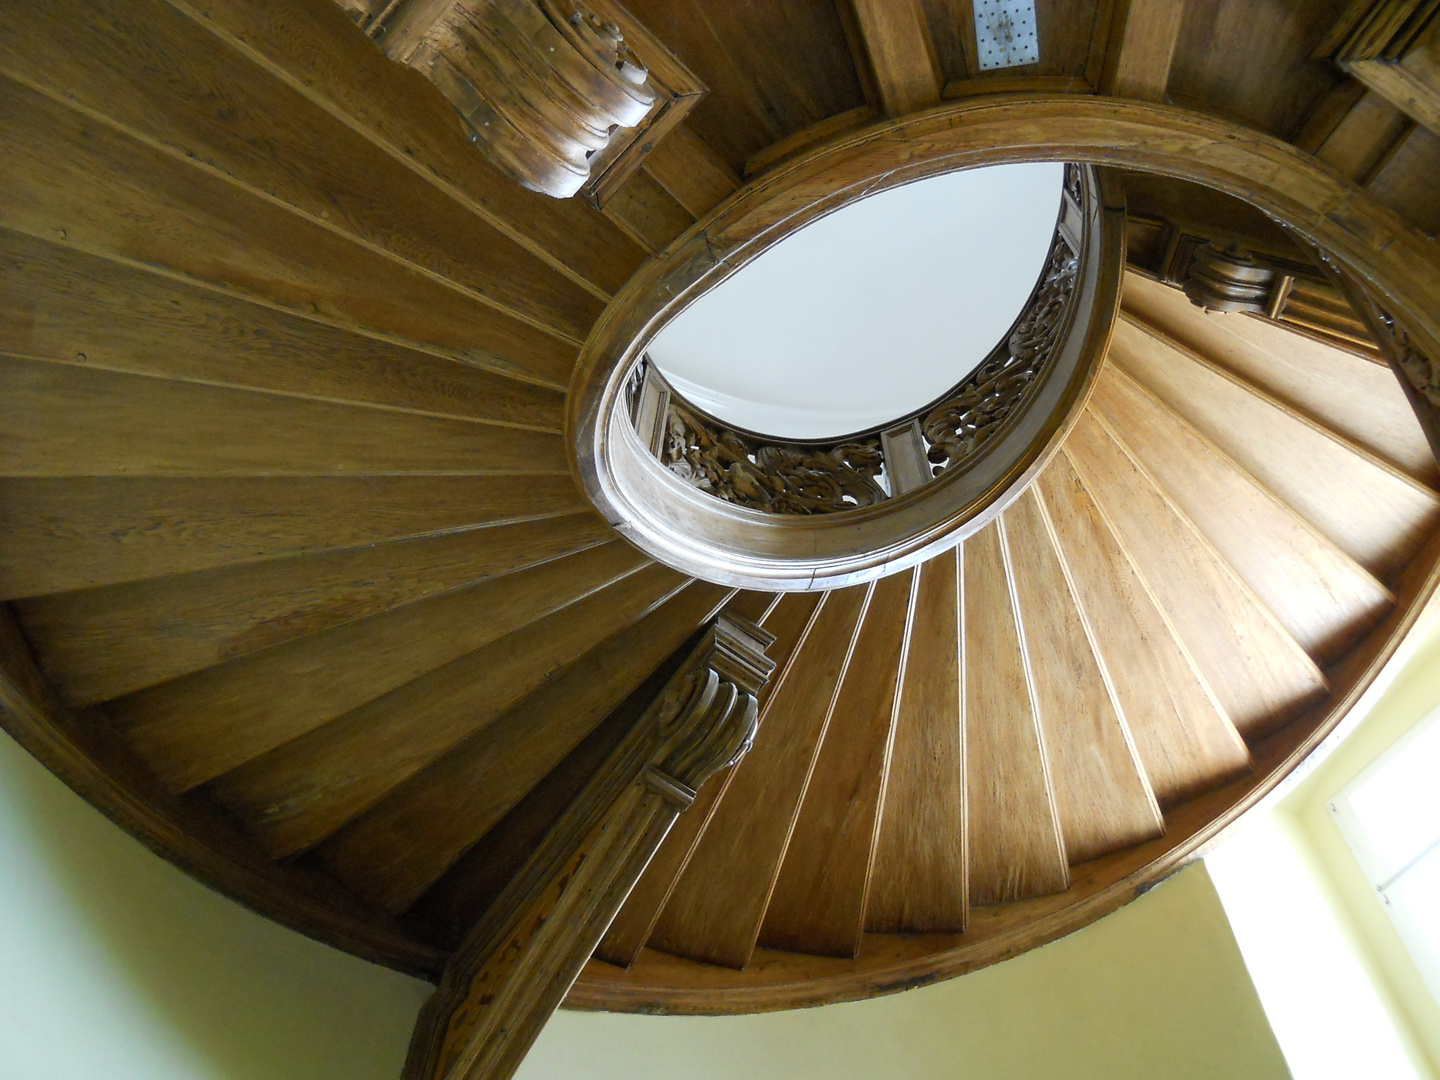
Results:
<point x="302" y="591"/>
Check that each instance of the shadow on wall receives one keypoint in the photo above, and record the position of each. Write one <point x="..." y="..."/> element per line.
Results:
<point x="114" y="964"/>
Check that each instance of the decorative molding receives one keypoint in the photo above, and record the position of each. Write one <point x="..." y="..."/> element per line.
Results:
<point x="518" y="962"/>
<point x="557" y="93"/>
<point x="865" y="469"/>
<point x="1227" y="277"/>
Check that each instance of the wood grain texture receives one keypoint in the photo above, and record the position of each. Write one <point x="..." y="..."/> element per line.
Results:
<point x="301" y="792"/>
<point x="1356" y="398"/>
<point x="788" y="621"/>
<point x="1404" y="180"/>
<point x="1185" y="742"/>
<point x="313" y="48"/>
<point x="97" y="644"/>
<point x="1143" y="38"/>
<point x="918" y="883"/>
<point x="196" y="727"/>
<point x="399" y="847"/>
<point x="60" y="304"/>
<point x="1102" y="798"/>
<point x="63" y="173"/>
<point x="818" y="903"/>
<point x="902" y="55"/>
<point x="1375" y="516"/>
<point x="695" y="176"/>
<point x="80" y="532"/>
<point x="1015" y="848"/>
<point x="71" y="420"/>
<point x="1324" y="600"/>
<point x="1364" y="137"/>
<point x="716" y="909"/>
<point x="1259" y="674"/>
<point x="151" y="72"/>
<point x="647" y="212"/>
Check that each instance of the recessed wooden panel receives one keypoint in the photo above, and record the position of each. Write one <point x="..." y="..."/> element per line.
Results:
<point x="627" y="935"/>
<point x="1102" y="799"/>
<point x="60" y="304"/>
<point x="400" y="846"/>
<point x="227" y="238"/>
<point x="1322" y="598"/>
<point x="647" y="212"/>
<point x="715" y="911"/>
<point x="918" y="884"/>
<point x="70" y="420"/>
<point x="1405" y="182"/>
<point x="314" y="49"/>
<point x="1357" y="398"/>
<point x="1185" y="742"/>
<point x="818" y="904"/>
<point x="82" y="532"/>
<point x="303" y="791"/>
<point x="1376" y="517"/>
<point x="1014" y="844"/>
<point x="96" y="644"/>
<point x="194" y="728"/>
<point x="1259" y="674"/>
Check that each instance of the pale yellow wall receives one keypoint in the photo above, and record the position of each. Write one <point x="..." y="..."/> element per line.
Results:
<point x="116" y="966"/>
<point x="1156" y="991"/>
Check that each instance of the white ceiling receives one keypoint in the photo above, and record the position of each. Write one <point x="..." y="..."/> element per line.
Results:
<point x="870" y="313"/>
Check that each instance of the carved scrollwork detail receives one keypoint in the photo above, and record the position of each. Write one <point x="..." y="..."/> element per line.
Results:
<point x="775" y="477"/>
<point x="1422" y="372"/>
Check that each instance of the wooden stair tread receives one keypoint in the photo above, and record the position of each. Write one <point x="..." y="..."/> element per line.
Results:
<point x="716" y="909"/>
<point x="1102" y="799"/>
<point x="1014" y="845"/>
<point x="818" y="903"/>
<point x="919" y="880"/>
<point x="196" y="727"/>
<point x="302" y="791"/>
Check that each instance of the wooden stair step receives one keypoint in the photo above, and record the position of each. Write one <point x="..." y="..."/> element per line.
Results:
<point x="788" y="620"/>
<point x="1323" y="598"/>
<point x="303" y="791"/>
<point x="1014" y="846"/>
<point x="400" y="846"/>
<point x="119" y="318"/>
<point x="1184" y="739"/>
<point x="1259" y="674"/>
<point x="1102" y="798"/>
<point x="96" y="644"/>
<point x="918" y="884"/>
<point x="1354" y="396"/>
<point x="716" y="909"/>
<point x="818" y="903"/>
<point x="68" y="533"/>
<point x="194" y="728"/>
<point x="1377" y="517"/>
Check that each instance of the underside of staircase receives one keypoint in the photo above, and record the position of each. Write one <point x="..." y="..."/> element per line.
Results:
<point x="300" y="586"/>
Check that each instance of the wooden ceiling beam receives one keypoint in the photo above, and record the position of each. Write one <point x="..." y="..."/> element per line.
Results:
<point x="902" y="54"/>
<point x="1143" y="35"/>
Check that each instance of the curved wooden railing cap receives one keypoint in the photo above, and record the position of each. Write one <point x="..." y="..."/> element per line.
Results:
<point x="739" y="509"/>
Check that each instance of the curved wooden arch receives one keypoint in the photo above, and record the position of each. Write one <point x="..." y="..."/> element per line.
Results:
<point x="1365" y="239"/>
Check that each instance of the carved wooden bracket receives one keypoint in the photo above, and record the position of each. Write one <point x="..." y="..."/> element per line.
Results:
<point x="519" y="961"/>
<point x="555" y="92"/>
<point x="1393" y="47"/>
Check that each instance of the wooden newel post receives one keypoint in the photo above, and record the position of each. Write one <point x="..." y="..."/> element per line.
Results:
<point x="518" y="962"/>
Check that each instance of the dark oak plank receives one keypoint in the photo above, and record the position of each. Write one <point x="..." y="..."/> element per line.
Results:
<point x="96" y="644"/>
<point x="302" y="792"/>
<point x="818" y="903"/>
<point x="67" y="419"/>
<point x="918" y="884"/>
<point x="196" y="727"/>
<point x="82" y="532"/>
<point x="400" y="846"/>
<point x="716" y="909"/>
<point x="60" y="304"/>
<point x="788" y="620"/>
<point x="69" y="178"/>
